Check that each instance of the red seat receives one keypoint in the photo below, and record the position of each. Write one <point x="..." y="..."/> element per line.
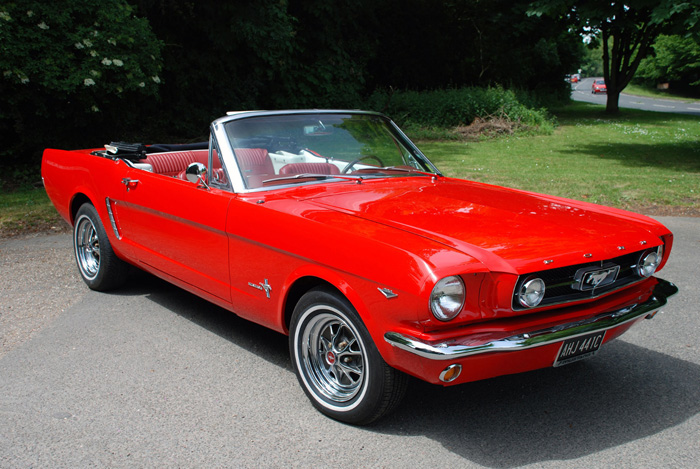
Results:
<point x="312" y="168"/>
<point x="174" y="162"/>
<point x="255" y="164"/>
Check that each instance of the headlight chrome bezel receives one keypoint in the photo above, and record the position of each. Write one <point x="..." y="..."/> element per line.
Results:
<point x="534" y="285"/>
<point x="447" y="298"/>
<point x="649" y="262"/>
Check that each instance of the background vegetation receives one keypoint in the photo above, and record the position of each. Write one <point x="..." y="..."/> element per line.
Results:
<point x="76" y="74"/>
<point x="79" y="74"/>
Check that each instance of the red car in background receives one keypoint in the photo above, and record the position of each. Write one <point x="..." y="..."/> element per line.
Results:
<point x="333" y="228"/>
<point x="599" y="86"/>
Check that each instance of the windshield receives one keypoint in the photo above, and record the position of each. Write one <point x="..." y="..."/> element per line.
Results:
<point x="288" y="149"/>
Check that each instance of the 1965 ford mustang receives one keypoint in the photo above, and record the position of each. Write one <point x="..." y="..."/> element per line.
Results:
<point x="333" y="228"/>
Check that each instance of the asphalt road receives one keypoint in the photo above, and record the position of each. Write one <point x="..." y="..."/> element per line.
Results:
<point x="153" y="376"/>
<point x="581" y="91"/>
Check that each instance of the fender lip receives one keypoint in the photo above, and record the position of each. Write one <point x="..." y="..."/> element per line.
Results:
<point x="537" y="338"/>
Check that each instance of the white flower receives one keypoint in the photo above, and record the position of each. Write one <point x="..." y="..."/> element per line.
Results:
<point x="94" y="73"/>
<point x="87" y="42"/>
<point x="95" y="33"/>
<point x="106" y="61"/>
<point x="79" y="45"/>
<point x="24" y="80"/>
<point x="88" y="82"/>
<point x="117" y="62"/>
<point x="142" y="84"/>
<point x="156" y="79"/>
<point x="30" y="13"/>
<point x="93" y="53"/>
<point x="112" y="41"/>
<point x="5" y="16"/>
<point x="43" y="26"/>
<point x="95" y="109"/>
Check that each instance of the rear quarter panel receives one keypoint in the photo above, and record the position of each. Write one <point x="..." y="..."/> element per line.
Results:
<point x="70" y="176"/>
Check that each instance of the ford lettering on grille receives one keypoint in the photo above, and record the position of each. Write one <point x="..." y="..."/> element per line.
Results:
<point x="590" y="278"/>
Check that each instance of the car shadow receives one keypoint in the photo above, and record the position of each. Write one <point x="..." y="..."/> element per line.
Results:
<point x="624" y="394"/>
<point x="266" y="343"/>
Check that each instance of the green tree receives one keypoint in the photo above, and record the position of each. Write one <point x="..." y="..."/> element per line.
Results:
<point x="69" y="66"/>
<point x="626" y="31"/>
<point x="592" y="61"/>
<point x="676" y="59"/>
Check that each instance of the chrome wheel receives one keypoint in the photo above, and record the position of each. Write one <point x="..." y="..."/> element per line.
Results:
<point x="337" y="363"/>
<point x="99" y="266"/>
<point x="87" y="247"/>
<point x="332" y="357"/>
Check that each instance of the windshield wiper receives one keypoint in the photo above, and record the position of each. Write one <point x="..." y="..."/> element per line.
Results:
<point x="398" y="169"/>
<point x="314" y="176"/>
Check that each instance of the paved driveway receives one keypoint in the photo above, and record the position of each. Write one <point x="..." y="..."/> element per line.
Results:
<point x="153" y="376"/>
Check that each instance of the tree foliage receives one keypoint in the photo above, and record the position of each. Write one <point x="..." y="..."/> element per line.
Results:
<point x="81" y="73"/>
<point x="626" y="30"/>
<point x="63" y="62"/>
<point x="676" y="59"/>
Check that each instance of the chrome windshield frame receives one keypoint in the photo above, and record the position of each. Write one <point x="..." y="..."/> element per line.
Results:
<point x="218" y="132"/>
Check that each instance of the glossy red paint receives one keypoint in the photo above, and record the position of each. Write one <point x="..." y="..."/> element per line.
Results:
<point x="250" y="251"/>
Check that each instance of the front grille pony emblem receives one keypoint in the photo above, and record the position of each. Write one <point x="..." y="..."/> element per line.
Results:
<point x="590" y="278"/>
<point x="594" y="278"/>
<point x="262" y="287"/>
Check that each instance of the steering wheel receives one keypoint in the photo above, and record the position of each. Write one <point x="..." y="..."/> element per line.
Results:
<point x="362" y="158"/>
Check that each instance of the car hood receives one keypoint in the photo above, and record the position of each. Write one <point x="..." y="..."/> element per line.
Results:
<point x="507" y="230"/>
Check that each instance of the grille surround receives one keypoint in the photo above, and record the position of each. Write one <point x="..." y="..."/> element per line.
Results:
<point x="559" y="281"/>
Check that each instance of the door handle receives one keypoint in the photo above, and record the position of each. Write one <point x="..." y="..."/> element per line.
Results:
<point x="130" y="183"/>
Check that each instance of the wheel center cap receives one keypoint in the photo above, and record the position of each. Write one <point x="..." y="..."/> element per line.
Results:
<point x="330" y="358"/>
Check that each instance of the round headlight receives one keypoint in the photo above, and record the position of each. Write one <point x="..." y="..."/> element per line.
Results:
<point x="648" y="263"/>
<point x="447" y="298"/>
<point x="531" y="292"/>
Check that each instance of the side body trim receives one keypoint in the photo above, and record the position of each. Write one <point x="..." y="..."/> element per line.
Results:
<point x="112" y="221"/>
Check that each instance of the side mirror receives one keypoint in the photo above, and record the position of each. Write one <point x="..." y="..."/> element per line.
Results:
<point x="197" y="173"/>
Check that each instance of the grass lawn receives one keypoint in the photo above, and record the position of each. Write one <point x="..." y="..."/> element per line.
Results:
<point x="28" y="211"/>
<point x="644" y="161"/>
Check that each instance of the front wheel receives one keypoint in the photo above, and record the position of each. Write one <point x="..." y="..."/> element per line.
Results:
<point x="336" y="362"/>
<point x="99" y="266"/>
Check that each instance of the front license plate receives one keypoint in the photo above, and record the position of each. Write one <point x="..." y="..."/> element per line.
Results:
<point x="578" y="348"/>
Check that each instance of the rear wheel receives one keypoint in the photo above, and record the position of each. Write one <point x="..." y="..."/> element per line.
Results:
<point x="99" y="266"/>
<point x="336" y="362"/>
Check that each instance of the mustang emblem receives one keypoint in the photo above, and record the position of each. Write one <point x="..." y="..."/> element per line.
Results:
<point x="595" y="278"/>
<point x="590" y="278"/>
<point x="262" y="287"/>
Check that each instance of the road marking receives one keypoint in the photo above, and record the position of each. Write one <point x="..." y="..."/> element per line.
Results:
<point x="661" y="105"/>
<point x="693" y="109"/>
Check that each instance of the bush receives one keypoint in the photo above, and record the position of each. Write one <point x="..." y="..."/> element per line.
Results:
<point x="451" y="108"/>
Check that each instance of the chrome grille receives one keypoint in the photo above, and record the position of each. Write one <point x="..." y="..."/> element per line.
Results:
<point x="559" y="281"/>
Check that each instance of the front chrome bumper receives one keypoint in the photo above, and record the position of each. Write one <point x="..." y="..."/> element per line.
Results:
<point x="454" y="350"/>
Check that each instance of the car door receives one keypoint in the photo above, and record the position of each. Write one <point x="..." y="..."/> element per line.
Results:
<point x="176" y="227"/>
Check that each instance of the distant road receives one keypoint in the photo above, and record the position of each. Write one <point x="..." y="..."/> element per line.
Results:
<point x="581" y="91"/>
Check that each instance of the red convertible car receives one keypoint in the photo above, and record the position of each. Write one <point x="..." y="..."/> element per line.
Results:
<point x="333" y="228"/>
